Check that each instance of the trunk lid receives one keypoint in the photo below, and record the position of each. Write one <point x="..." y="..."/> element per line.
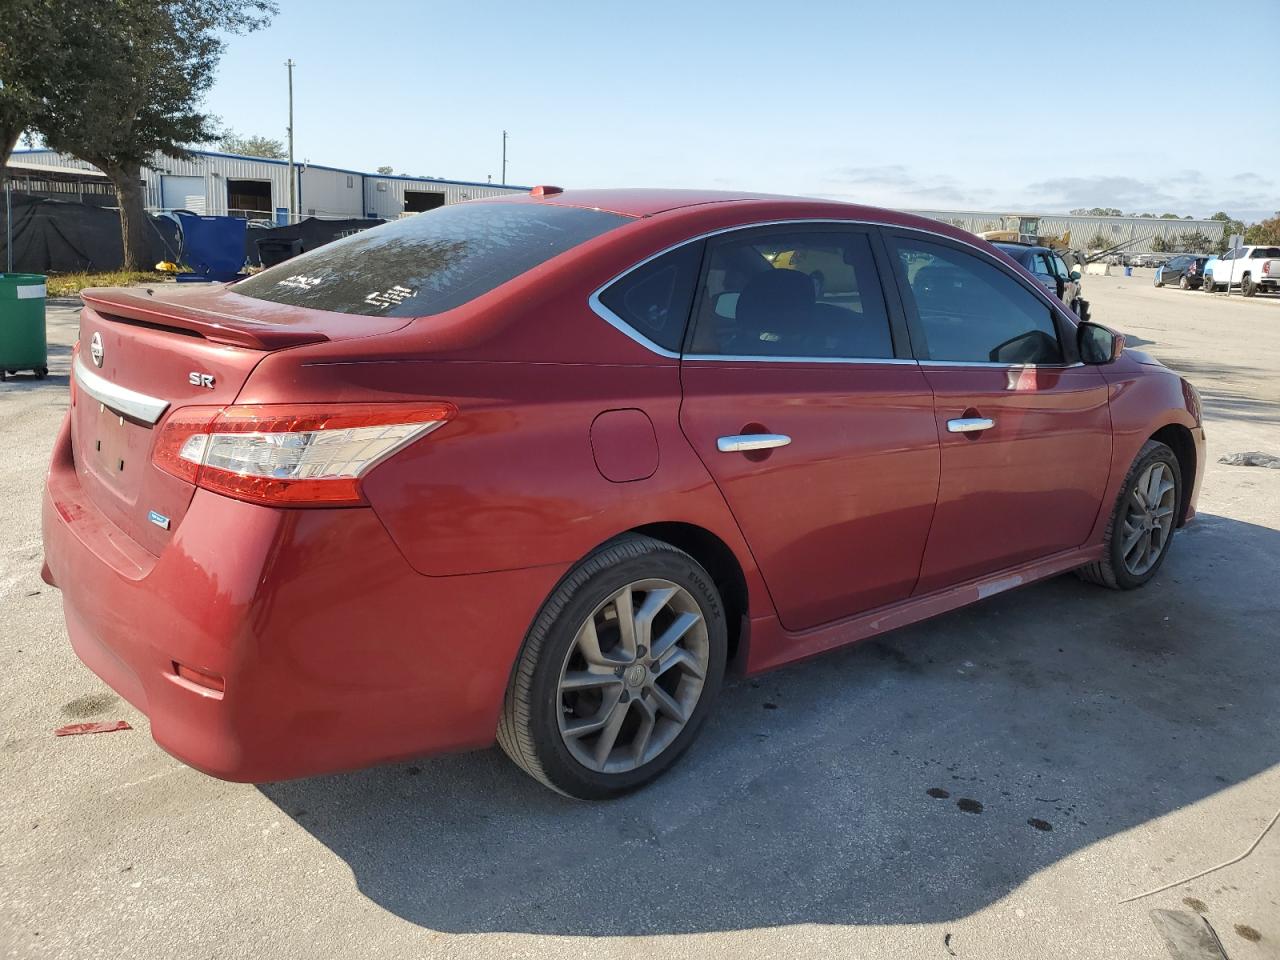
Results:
<point x="143" y="355"/>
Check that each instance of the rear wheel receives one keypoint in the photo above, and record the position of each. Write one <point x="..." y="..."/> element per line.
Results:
<point x="1247" y="286"/>
<point x="1159" y="282"/>
<point x="619" y="671"/>
<point x="1143" y="521"/>
<point x="1184" y="283"/>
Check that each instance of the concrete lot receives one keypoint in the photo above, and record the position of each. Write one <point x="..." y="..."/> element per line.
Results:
<point x="1140" y="729"/>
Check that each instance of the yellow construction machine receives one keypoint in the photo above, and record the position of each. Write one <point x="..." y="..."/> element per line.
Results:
<point x="1017" y="228"/>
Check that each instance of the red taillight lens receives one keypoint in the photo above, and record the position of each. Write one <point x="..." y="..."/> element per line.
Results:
<point x="290" y="455"/>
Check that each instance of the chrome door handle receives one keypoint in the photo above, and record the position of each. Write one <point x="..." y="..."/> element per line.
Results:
<point x="751" y="441"/>
<point x="970" y="424"/>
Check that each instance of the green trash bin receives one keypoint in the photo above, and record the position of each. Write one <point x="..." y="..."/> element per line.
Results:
<point x="22" y="336"/>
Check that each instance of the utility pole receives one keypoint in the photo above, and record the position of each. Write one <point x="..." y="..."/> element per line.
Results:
<point x="504" y="158"/>
<point x="293" y="192"/>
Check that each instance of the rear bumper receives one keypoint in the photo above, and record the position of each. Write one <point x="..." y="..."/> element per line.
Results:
<point x="335" y="653"/>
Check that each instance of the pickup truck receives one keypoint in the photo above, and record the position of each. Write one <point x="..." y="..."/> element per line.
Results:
<point x="1249" y="268"/>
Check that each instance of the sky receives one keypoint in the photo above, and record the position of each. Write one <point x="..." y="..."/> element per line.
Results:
<point x="911" y="104"/>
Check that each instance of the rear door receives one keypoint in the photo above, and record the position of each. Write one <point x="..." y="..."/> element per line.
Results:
<point x="1025" y="431"/>
<point x="801" y="398"/>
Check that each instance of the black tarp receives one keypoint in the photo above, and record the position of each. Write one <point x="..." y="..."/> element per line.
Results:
<point x="312" y="233"/>
<point x="61" y="236"/>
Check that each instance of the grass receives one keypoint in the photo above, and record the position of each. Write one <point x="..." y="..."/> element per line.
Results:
<point x="70" y="284"/>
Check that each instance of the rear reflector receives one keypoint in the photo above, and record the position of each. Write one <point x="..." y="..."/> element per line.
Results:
<point x="210" y="681"/>
<point x="290" y="455"/>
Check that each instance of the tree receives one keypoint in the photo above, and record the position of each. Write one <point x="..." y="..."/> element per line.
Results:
<point x="1170" y="216"/>
<point x="1160" y="245"/>
<point x="1096" y="212"/>
<point x="141" y="90"/>
<point x="1266" y="232"/>
<point x="33" y="56"/>
<point x="1193" y="241"/>
<point x="1230" y="226"/>
<point x="252" y="146"/>
<point x="1099" y="242"/>
<point x="385" y="171"/>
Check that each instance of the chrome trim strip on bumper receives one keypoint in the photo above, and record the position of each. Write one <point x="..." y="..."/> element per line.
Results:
<point x="139" y="406"/>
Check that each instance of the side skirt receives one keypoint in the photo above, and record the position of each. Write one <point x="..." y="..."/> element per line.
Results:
<point x="770" y="646"/>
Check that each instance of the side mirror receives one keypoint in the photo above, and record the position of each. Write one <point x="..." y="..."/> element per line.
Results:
<point x="1097" y="344"/>
<point x="1075" y="274"/>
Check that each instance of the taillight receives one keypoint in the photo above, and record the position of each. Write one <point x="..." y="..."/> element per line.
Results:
<point x="290" y="455"/>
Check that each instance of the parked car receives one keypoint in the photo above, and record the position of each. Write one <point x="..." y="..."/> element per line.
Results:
<point x="542" y="469"/>
<point x="1186" y="270"/>
<point x="1249" y="268"/>
<point x="1051" y="271"/>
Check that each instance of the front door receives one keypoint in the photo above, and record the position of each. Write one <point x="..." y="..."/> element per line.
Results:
<point x="1025" y="431"/>
<point x="818" y="432"/>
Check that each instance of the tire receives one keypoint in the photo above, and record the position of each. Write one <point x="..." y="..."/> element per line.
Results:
<point x="555" y="687"/>
<point x="1184" y="283"/>
<point x="1157" y="281"/>
<point x="1114" y="570"/>
<point x="1247" y="287"/>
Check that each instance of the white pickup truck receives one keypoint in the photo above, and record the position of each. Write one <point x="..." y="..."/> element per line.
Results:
<point x="1249" y="268"/>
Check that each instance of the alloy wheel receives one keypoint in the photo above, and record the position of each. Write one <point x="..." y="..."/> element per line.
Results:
<point x="633" y="676"/>
<point x="1148" y="520"/>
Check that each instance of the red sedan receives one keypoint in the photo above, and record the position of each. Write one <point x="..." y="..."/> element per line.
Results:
<point x="544" y="469"/>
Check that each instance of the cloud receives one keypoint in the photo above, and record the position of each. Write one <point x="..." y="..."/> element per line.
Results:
<point x="1187" y="193"/>
<point x="896" y="184"/>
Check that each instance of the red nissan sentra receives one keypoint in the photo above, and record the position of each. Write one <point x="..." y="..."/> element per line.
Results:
<point x="543" y="469"/>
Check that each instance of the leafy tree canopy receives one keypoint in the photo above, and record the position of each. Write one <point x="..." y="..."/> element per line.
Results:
<point x="254" y="146"/>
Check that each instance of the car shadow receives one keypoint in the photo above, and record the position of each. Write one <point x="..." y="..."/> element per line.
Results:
<point x="916" y="777"/>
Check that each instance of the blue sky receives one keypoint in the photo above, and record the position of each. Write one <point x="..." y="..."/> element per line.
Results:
<point x="961" y="105"/>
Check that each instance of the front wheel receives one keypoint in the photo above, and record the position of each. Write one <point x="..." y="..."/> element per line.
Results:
<point x="619" y="671"/>
<point x="1184" y="283"/>
<point x="1247" y="286"/>
<point x="1142" y="523"/>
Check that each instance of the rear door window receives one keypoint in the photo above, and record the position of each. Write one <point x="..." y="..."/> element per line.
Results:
<point x="429" y="262"/>
<point x="971" y="311"/>
<point x="792" y="294"/>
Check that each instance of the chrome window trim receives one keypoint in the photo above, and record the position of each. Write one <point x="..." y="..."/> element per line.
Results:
<point x="131" y="403"/>
<point x="743" y="358"/>
<point x="615" y="321"/>
<point x="1000" y="363"/>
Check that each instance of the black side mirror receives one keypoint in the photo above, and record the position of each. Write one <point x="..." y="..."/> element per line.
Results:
<point x="1097" y="344"/>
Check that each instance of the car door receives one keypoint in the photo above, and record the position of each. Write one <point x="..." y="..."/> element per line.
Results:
<point x="802" y="399"/>
<point x="1025" y="430"/>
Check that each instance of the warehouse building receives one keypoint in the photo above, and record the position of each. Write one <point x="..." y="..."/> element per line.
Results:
<point x="1130" y="234"/>
<point x="257" y="188"/>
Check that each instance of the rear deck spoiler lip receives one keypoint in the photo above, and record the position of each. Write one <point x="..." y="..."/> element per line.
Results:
<point x="237" y="331"/>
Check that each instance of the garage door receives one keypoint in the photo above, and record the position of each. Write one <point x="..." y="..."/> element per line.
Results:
<point x="182" y="193"/>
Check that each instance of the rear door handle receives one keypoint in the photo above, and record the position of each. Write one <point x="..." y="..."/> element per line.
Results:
<point x="751" y="441"/>
<point x="970" y="424"/>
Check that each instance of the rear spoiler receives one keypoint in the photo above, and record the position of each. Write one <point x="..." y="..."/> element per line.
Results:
<point x="237" y="331"/>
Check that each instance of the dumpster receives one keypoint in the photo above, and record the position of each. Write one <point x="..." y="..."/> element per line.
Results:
<point x="213" y="246"/>
<point x="22" y="337"/>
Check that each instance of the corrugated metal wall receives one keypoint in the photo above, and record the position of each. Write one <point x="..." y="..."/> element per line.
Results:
<point x="325" y="192"/>
<point x="1084" y="230"/>
<point x="384" y="196"/>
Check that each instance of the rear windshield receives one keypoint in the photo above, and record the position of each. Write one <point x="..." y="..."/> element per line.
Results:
<point x="429" y="262"/>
